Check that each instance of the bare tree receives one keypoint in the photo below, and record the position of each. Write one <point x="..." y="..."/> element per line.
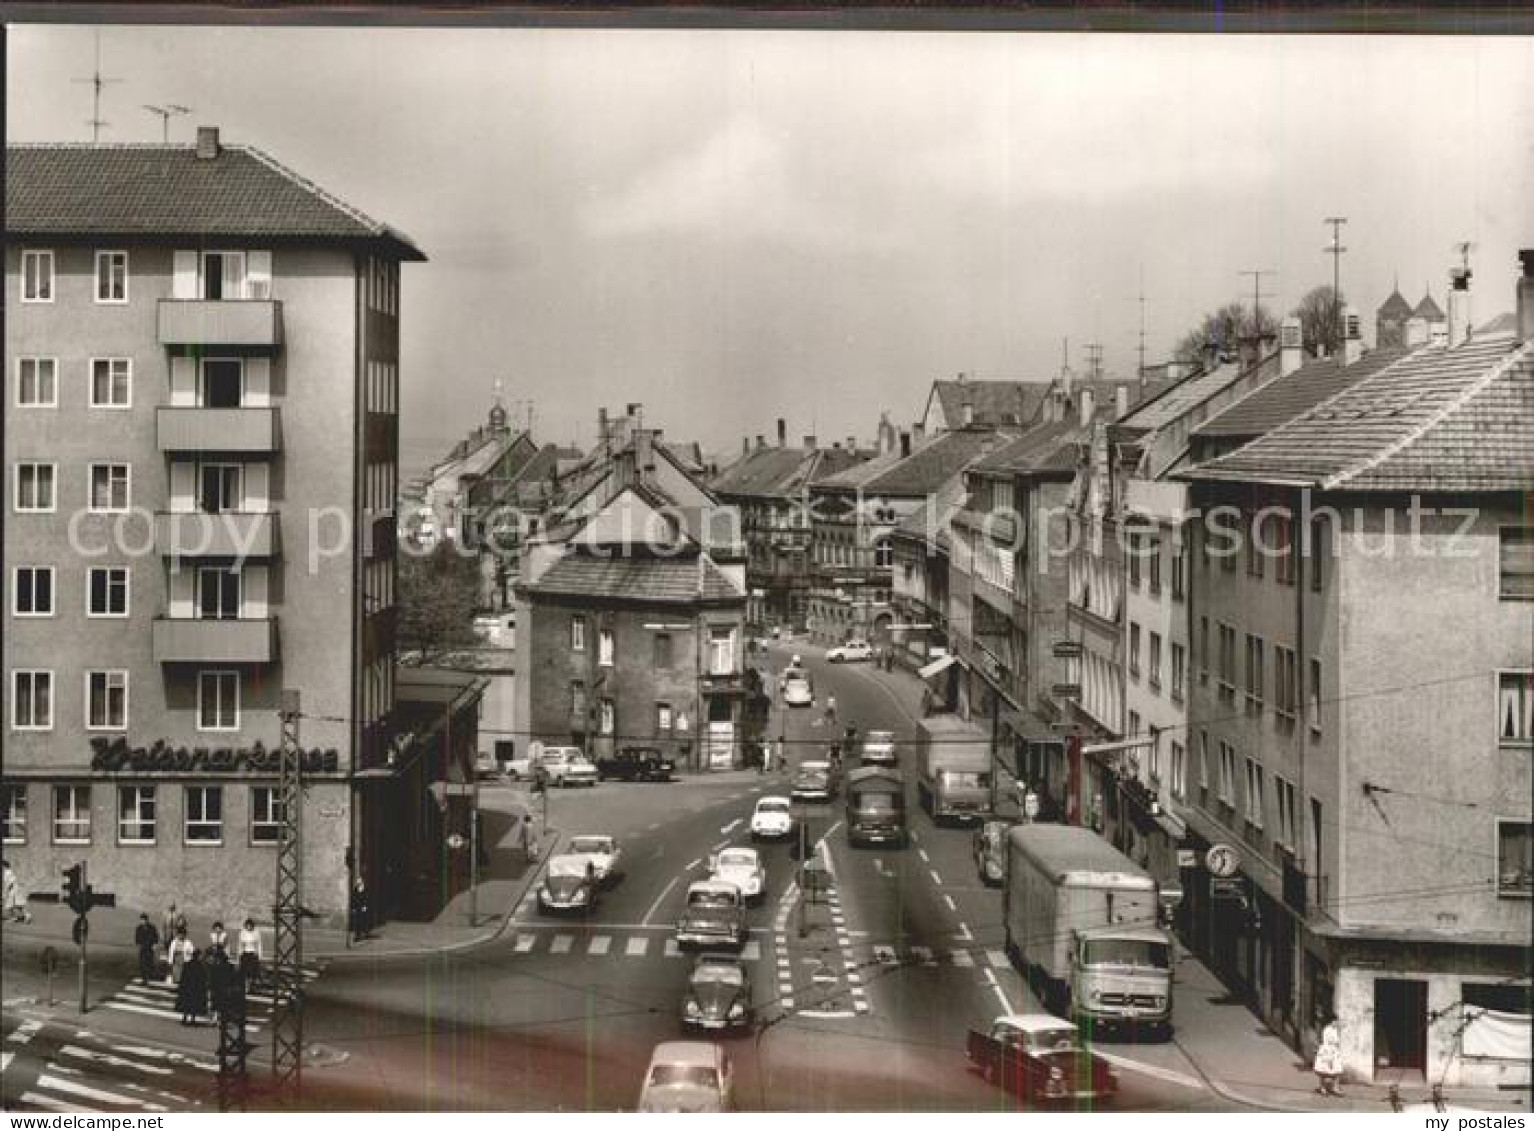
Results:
<point x="1223" y="332"/>
<point x="438" y="596"/>
<point x="1320" y="315"/>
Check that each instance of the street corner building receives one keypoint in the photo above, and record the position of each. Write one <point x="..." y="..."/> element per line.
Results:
<point x="201" y="449"/>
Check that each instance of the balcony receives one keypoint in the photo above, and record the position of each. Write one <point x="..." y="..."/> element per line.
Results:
<point x="244" y="323"/>
<point x="235" y="430"/>
<point x="229" y="534"/>
<point x="184" y="640"/>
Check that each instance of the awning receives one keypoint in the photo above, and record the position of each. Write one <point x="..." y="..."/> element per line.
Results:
<point x="942" y="663"/>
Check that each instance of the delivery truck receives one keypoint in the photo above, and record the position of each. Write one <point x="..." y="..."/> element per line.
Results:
<point x="954" y="756"/>
<point x="876" y="806"/>
<point x="1083" y="924"/>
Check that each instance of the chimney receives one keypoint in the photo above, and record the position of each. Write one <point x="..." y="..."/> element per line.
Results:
<point x="760" y="442"/>
<point x="602" y="426"/>
<point x="1086" y="406"/>
<point x="1416" y="331"/>
<point x="1352" y="337"/>
<point x="918" y="434"/>
<point x="644" y="453"/>
<point x="1525" y="328"/>
<point x="1459" y="306"/>
<point x="207" y="143"/>
<point x="969" y="414"/>
<point x="1120" y="402"/>
<point x="905" y="444"/>
<point x="809" y="443"/>
<point x="745" y="446"/>
<point x="1291" y="346"/>
<point x="852" y="443"/>
<point x="782" y="433"/>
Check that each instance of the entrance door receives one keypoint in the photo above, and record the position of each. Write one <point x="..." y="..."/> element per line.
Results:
<point x="1400" y="1023"/>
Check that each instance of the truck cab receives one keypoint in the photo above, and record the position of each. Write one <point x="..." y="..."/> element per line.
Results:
<point x="876" y="807"/>
<point x="1123" y="976"/>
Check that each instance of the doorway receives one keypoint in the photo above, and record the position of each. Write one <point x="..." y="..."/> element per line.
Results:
<point x="1400" y="1023"/>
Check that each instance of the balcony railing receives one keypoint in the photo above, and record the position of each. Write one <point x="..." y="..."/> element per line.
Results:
<point x="192" y="429"/>
<point x="249" y="323"/>
<point x="185" y="640"/>
<point x="228" y="534"/>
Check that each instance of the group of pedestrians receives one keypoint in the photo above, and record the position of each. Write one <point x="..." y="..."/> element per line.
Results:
<point x="198" y="975"/>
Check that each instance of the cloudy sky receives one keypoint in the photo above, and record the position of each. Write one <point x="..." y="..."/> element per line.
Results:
<point x="731" y="226"/>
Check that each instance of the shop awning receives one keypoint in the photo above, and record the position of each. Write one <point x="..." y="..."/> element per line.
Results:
<point x="942" y="663"/>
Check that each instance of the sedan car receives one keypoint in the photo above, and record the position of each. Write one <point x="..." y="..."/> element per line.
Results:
<point x="772" y="818"/>
<point x="687" y="1076"/>
<point x="1038" y="1057"/>
<point x="718" y="994"/>
<point x="743" y="868"/>
<point x="569" y="885"/>
<point x="879" y="747"/>
<point x="854" y="651"/>
<point x="600" y="851"/>
<point x="989" y="849"/>
<point x="636" y="763"/>
<point x="797" y="692"/>
<point x="564" y="766"/>
<point x="813" y="782"/>
<point x="715" y="915"/>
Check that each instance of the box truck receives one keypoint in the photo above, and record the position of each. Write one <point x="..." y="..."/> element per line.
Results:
<point x="954" y="756"/>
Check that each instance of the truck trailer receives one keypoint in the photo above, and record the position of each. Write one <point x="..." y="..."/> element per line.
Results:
<point x="876" y="807"/>
<point x="954" y="760"/>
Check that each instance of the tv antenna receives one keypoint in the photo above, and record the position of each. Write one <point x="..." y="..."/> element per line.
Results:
<point x="1142" y="326"/>
<point x="167" y="112"/>
<point x="98" y="82"/>
<point x="1258" y="294"/>
<point x="1335" y="250"/>
<point x="1463" y="250"/>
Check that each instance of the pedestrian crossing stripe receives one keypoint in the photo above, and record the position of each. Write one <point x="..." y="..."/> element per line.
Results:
<point x="156" y="999"/>
<point x="602" y="946"/>
<point x="599" y="945"/>
<point x="636" y="946"/>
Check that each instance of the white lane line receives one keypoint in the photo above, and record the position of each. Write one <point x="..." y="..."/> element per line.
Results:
<point x="600" y="944"/>
<point x="562" y="944"/>
<point x="827" y="1014"/>
<point x="937" y="879"/>
<point x="654" y="906"/>
<point x="526" y="943"/>
<point x="150" y="1011"/>
<point x="925" y="859"/>
<point x="694" y="863"/>
<point x="854" y="979"/>
<point x="637" y="946"/>
<point x="727" y="829"/>
<point x="1169" y="1075"/>
<point x="160" y="1054"/>
<point x="787" y="1002"/>
<point x="50" y="1103"/>
<point x="952" y="906"/>
<point x="1001" y="996"/>
<point x="69" y="1087"/>
<point x="998" y="958"/>
<point x="915" y="837"/>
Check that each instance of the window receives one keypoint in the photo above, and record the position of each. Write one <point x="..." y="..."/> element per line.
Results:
<point x="1315" y="848"/>
<point x="661" y="648"/>
<point x="220" y="487"/>
<point x="663" y="718"/>
<point x="265" y="814"/>
<point x="1228" y="774"/>
<point x="578" y="704"/>
<point x="607" y="717"/>
<point x="1254" y="798"/>
<point x="1153" y="561"/>
<point x="1203" y="760"/>
<point x="1155" y="659"/>
<point x="107" y="591"/>
<point x="1315" y="695"/>
<point x="1515" y="859"/>
<point x="32" y="591"/>
<point x="1179" y="771"/>
<point x="37" y="382"/>
<point x="32" y="700"/>
<point x="106" y="700"/>
<point x="13" y="814"/>
<point x="1227" y="662"/>
<point x="1515" y="577"/>
<point x="1257" y="545"/>
<point x="71" y="814"/>
<point x="35" y="487"/>
<point x="721" y="651"/>
<point x="111" y="276"/>
<point x="204" y="814"/>
<point x="577" y="634"/>
<point x="1179" y="672"/>
<point x="1515" y="707"/>
<point x="605" y="647"/>
<point x="1288" y="830"/>
<point x="1281" y="531"/>
<point x="1203" y="650"/>
<point x="1136" y="548"/>
<point x="884" y="554"/>
<point x="223" y="274"/>
<point x="135" y="814"/>
<point x="218" y="594"/>
<point x="1179" y="571"/>
<point x="1284" y="690"/>
<point x="218" y="700"/>
<point x="1254" y="650"/>
<point x="111" y="382"/>
<point x="1320" y="546"/>
<point x="109" y="488"/>
<point x="1134" y="723"/>
<point x="37" y="276"/>
<point x="221" y="383"/>
<point x="1134" y="649"/>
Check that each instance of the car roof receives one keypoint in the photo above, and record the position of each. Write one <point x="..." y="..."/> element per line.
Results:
<point x="774" y="797"/>
<point x="720" y="886"/>
<point x="592" y="836"/>
<point x="1033" y="1022"/>
<point x="740" y="850"/>
<point x="685" y="1052"/>
<point x="878" y="734"/>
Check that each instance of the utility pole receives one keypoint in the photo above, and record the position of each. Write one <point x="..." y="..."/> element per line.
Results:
<point x="995" y="742"/>
<point x="287" y="943"/>
<point x="1335" y="250"/>
<point x="1258" y="294"/>
<point x="97" y="82"/>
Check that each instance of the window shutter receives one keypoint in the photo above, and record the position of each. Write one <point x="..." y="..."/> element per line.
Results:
<point x="258" y="274"/>
<point x="184" y="279"/>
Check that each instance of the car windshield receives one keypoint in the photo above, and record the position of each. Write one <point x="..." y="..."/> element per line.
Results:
<point x="710" y="898"/>
<point x="773" y="807"/>
<point x="592" y="845"/>
<point x="1045" y="1040"/>
<point x="721" y="972"/>
<point x="737" y="859"/>
<point x="814" y="767"/>
<point x="683" y="1075"/>
<point x="877" y="801"/>
<point x="965" y="779"/>
<point x="567" y="867"/>
<point x="880" y="738"/>
<point x="1127" y="952"/>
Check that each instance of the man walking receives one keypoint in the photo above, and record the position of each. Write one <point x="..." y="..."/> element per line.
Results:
<point x="360" y="925"/>
<point x="10" y="895"/>
<point x="147" y="939"/>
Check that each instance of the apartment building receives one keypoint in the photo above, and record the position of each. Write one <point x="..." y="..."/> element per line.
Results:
<point x="200" y="440"/>
<point x="1360" y="716"/>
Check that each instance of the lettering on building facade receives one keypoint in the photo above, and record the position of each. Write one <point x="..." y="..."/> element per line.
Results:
<point x="116" y="756"/>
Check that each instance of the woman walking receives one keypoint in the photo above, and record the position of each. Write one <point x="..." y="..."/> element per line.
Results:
<point x="1328" y="1063"/>
<point x="192" y="992"/>
<point x="250" y="953"/>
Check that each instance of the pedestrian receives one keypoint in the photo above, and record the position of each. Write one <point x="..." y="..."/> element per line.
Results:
<point x="782" y="755"/>
<point x="10" y="895"/>
<point x="218" y="938"/>
<point x="830" y="708"/>
<point x="178" y="953"/>
<point x="359" y="909"/>
<point x="192" y="991"/>
<point x="147" y="939"/>
<point x="1328" y="1063"/>
<point x="221" y="980"/>
<point x="174" y="921"/>
<point x="250" y="953"/>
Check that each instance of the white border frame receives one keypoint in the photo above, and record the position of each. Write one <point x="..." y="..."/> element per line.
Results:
<point x="53" y="592"/>
<point x="127" y="705"/>
<point x="186" y="816"/>
<point x="16" y="398"/>
<point x="53" y="502"/>
<point x="239" y="694"/>
<point x="52" y="699"/>
<point x="155" y="824"/>
<point x="53" y="276"/>
<point x="90" y="380"/>
<point x="102" y="253"/>
<point x="127" y="593"/>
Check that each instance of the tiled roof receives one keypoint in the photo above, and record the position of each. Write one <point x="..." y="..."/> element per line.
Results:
<point x="1049" y="447"/>
<point x="995" y="402"/>
<point x="859" y="474"/>
<point x="646" y="580"/>
<point x="1437" y="420"/>
<point x="1283" y="398"/>
<point x="834" y="461"/>
<point x="1186" y="394"/>
<point x="163" y="191"/>
<point x="1395" y="306"/>
<point x="924" y="470"/>
<point x="764" y="471"/>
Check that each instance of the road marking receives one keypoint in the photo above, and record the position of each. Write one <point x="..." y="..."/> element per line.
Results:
<point x="695" y="863"/>
<point x="672" y="949"/>
<point x="753" y="952"/>
<point x="925" y="859"/>
<point x="69" y="1087"/>
<point x="637" y="946"/>
<point x="937" y="879"/>
<point x="827" y="1014"/>
<point x="526" y="943"/>
<point x="562" y="944"/>
<point x="854" y="979"/>
<point x="727" y="829"/>
<point x="952" y="906"/>
<point x="964" y="933"/>
<point x="664" y="892"/>
<point x="24" y="1032"/>
<point x="962" y="958"/>
<point x="1169" y="1075"/>
<point x="75" y="1052"/>
<point x="1001" y="996"/>
<point x="787" y="1003"/>
<point x="159" y="1054"/>
<point x="5" y="1061"/>
<point x="915" y="836"/>
<point x="50" y="1103"/>
<point x="600" y="944"/>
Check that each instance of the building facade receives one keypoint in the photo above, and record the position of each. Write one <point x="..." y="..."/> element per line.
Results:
<point x="201" y="442"/>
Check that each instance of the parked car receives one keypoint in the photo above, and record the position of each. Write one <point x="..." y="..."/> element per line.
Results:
<point x="851" y="652"/>
<point x="989" y="849"/>
<point x="686" y="1076"/>
<point x="636" y="763"/>
<point x="743" y="868"/>
<point x="718" y="994"/>
<point x="879" y="747"/>
<point x="797" y="692"/>
<point x="564" y="766"/>
<point x="772" y="818"/>
<point x="1039" y="1057"/>
<point x="569" y="885"/>
<point x="715" y="915"/>
<point x="814" y="781"/>
<point x="601" y="851"/>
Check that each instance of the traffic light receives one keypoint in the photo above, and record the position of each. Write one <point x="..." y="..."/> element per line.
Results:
<point x="74" y="888"/>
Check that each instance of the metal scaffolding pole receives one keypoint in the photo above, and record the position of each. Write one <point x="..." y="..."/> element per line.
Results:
<point x="287" y="942"/>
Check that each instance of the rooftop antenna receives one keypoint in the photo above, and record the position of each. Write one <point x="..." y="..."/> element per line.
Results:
<point x="1258" y="294"/>
<point x="1335" y="250"/>
<point x="1463" y="250"/>
<point x="97" y="81"/>
<point x="167" y="112"/>
<point x="1142" y="326"/>
<point x="1094" y="360"/>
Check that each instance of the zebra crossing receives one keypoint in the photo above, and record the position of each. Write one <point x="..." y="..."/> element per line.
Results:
<point x="566" y="944"/>
<point x="993" y="958"/>
<point x="158" y="999"/>
<point x="75" y="1070"/>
